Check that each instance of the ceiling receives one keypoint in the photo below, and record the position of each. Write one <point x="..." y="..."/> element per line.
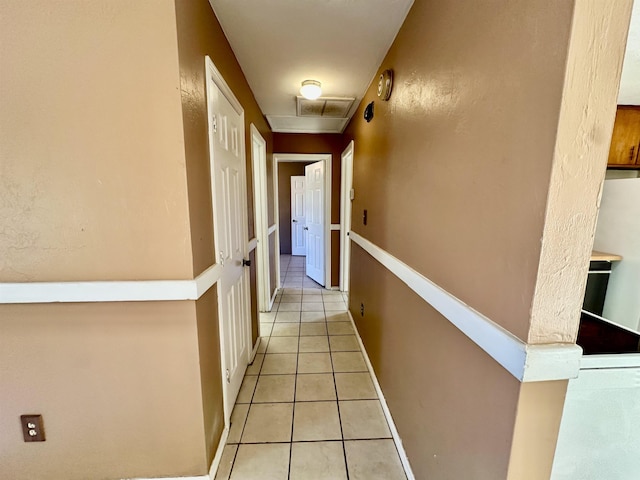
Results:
<point x="630" y="81"/>
<point x="280" y="43"/>
<point x="341" y="43"/>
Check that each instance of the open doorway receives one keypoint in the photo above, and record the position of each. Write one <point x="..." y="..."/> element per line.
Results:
<point x="313" y="244"/>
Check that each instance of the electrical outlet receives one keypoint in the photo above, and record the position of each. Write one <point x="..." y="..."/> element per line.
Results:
<point x="362" y="309"/>
<point x="32" y="429"/>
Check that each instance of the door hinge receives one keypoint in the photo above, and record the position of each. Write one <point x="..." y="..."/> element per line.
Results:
<point x="228" y="376"/>
<point x="215" y="124"/>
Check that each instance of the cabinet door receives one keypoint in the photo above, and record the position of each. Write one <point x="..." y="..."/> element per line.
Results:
<point x="625" y="141"/>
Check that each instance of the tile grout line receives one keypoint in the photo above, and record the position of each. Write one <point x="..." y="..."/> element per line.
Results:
<point x="295" y="386"/>
<point x="335" y="386"/>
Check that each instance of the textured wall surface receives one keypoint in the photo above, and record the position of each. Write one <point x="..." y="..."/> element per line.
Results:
<point x="579" y="162"/>
<point x="454" y="169"/>
<point x="117" y="384"/>
<point x="481" y="173"/>
<point x="92" y="177"/>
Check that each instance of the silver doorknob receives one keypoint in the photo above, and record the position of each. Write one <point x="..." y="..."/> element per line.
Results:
<point x="306" y="228"/>
<point x="294" y="220"/>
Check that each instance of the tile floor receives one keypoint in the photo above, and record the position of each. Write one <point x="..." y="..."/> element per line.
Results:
<point x="307" y="408"/>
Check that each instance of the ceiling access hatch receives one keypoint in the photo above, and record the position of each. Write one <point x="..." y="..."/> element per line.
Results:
<point x="329" y="107"/>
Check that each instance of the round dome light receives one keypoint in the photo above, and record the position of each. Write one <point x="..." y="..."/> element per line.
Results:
<point x="310" y="89"/>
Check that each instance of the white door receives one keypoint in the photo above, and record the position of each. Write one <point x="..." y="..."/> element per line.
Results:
<point x="226" y="133"/>
<point x="314" y="213"/>
<point x="298" y="222"/>
<point x="346" y="196"/>
<point x="259" y="162"/>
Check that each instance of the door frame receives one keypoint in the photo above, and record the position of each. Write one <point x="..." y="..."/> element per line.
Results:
<point x="346" y="186"/>
<point x="292" y="203"/>
<point x="306" y="157"/>
<point x="261" y="225"/>
<point x="214" y="79"/>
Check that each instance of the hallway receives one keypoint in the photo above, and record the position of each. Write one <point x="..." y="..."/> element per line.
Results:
<point x="307" y="408"/>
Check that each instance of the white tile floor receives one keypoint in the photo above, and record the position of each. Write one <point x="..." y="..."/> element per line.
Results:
<point x="307" y="408"/>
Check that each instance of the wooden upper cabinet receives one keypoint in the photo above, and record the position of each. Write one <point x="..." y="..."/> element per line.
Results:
<point x="625" y="141"/>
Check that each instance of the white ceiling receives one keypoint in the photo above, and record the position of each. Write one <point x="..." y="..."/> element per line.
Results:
<point x="341" y="43"/>
<point x="280" y="43"/>
<point x="630" y="82"/>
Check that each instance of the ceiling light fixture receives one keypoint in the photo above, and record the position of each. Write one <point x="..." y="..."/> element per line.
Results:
<point x="310" y="89"/>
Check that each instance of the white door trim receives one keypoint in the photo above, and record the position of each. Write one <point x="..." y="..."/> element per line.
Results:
<point x="526" y="362"/>
<point x="298" y="221"/>
<point x="215" y="80"/>
<point x="262" y="231"/>
<point x="307" y="157"/>
<point x="346" y="185"/>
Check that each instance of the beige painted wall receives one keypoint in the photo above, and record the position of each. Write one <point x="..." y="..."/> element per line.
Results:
<point x="104" y="175"/>
<point x="499" y="111"/>
<point x="536" y="430"/>
<point x="585" y="125"/>
<point x="454" y="169"/>
<point x="200" y="34"/>
<point x="118" y="386"/>
<point x="453" y="405"/>
<point x="92" y="178"/>
<point x="210" y="370"/>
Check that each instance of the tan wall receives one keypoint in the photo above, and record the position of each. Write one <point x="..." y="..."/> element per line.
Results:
<point x="536" y="430"/>
<point x="454" y="169"/>
<point x="210" y="370"/>
<point x="335" y="258"/>
<point x="117" y="385"/>
<point x="92" y="180"/>
<point x="100" y="179"/>
<point x="320" y="143"/>
<point x="580" y="157"/>
<point x="254" y="297"/>
<point x="453" y="405"/>
<point x="93" y="187"/>
<point x="463" y="172"/>
<point x="285" y="171"/>
<point x="200" y="34"/>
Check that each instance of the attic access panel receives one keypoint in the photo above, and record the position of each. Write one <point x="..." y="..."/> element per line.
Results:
<point x="331" y="107"/>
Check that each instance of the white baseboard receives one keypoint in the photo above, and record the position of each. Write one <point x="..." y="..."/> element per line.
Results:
<point x="201" y="477"/>
<point x="273" y="298"/>
<point x="218" y="456"/>
<point x="256" y="346"/>
<point x="385" y="408"/>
